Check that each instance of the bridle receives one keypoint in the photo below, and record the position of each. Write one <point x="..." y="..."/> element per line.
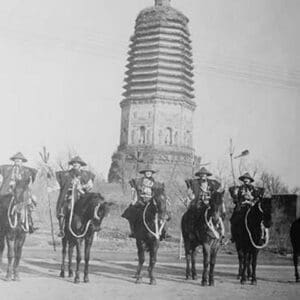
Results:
<point x="158" y="229"/>
<point x="263" y="228"/>
<point x="12" y="211"/>
<point x="74" y="187"/>
<point x="211" y="226"/>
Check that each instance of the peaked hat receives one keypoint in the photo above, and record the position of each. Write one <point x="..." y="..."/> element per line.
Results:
<point x="19" y="155"/>
<point x="246" y="176"/>
<point x="77" y="159"/>
<point x="202" y="171"/>
<point x="147" y="168"/>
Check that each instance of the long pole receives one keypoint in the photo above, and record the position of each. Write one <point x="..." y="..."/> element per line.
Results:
<point x="51" y="219"/>
<point x="231" y="150"/>
<point x="45" y="158"/>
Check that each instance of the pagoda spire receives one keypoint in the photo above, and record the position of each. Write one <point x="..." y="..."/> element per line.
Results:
<point x="162" y="2"/>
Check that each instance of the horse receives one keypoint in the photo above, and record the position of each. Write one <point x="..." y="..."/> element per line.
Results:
<point x="13" y="228"/>
<point x="198" y="228"/>
<point x="149" y="222"/>
<point x="83" y="220"/>
<point x="295" y="241"/>
<point x="251" y="226"/>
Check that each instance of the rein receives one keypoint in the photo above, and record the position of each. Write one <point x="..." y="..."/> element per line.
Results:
<point x="14" y="223"/>
<point x="71" y="217"/>
<point x="262" y="227"/>
<point x="158" y="230"/>
<point x="211" y="226"/>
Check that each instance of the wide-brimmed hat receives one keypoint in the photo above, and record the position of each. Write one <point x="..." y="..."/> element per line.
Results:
<point x="19" y="155"/>
<point x="77" y="159"/>
<point x="147" y="168"/>
<point x="246" y="176"/>
<point x="203" y="171"/>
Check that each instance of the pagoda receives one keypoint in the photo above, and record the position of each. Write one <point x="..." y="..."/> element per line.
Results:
<point x="158" y="105"/>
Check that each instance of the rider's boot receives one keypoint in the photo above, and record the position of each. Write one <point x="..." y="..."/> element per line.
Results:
<point x="131" y="225"/>
<point x="61" y="221"/>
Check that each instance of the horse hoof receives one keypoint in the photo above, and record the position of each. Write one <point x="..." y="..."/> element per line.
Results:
<point x="8" y="277"/>
<point x="139" y="280"/>
<point x="76" y="280"/>
<point x="212" y="283"/>
<point x="86" y="279"/>
<point x="243" y="282"/>
<point x="238" y="277"/>
<point x="16" y="277"/>
<point x="187" y="277"/>
<point x="152" y="281"/>
<point x="71" y="274"/>
<point x="204" y="283"/>
<point x="297" y="280"/>
<point x="253" y="282"/>
<point x="194" y="277"/>
<point x="62" y="274"/>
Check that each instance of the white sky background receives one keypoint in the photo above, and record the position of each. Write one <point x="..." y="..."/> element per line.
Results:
<point x="62" y="65"/>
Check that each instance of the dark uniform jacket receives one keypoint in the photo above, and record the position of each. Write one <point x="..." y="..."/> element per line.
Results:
<point x="143" y="187"/>
<point x="25" y="176"/>
<point x="200" y="195"/>
<point x="65" y="179"/>
<point x="241" y="194"/>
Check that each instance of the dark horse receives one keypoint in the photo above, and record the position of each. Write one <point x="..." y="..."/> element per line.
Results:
<point x="251" y="229"/>
<point x="198" y="226"/>
<point x="82" y="222"/>
<point x="295" y="240"/>
<point x="149" y="220"/>
<point x="13" y="228"/>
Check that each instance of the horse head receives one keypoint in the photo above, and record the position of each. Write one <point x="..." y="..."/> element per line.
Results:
<point x="264" y="206"/>
<point x="160" y="200"/>
<point x="101" y="210"/>
<point x="217" y="207"/>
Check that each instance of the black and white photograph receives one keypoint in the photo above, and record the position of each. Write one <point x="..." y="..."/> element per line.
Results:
<point x="149" y="149"/>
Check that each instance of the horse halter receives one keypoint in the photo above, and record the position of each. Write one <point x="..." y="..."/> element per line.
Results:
<point x="158" y="229"/>
<point x="263" y="228"/>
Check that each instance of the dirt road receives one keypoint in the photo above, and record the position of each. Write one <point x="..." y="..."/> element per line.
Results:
<point x="111" y="278"/>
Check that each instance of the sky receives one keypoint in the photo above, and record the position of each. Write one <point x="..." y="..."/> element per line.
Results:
<point x="63" y="64"/>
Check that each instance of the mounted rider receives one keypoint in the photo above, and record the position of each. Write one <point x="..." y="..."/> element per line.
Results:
<point x="16" y="180"/>
<point x="200" y="191"/>
<point x="244" y="195"/>
<point x="141" y="194"/>
<point x="83" y="181"/>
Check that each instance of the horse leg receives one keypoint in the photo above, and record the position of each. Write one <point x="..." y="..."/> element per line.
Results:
<point x="213" y="257"/>
<point x="19" y="242"/>
<point x="244" y="267"/>
<point x="249" y="273"/>
<point x="295" y="260"/>
<point x="2" y="246"/>
<point x="240" y="258"/>
<point x="64" y="252"/>
<point x="87" y="250"/>
<point x="193" y="258"/>
<point x="141" y="256"/>
<point x="254" y="263"/>
<point x="78" y="260"/>
<point x="70" y="257"/>
<point x="206" y="253"/>
<point x="153" y="258"/>
<point x="188" y="253"/>
<point x="10" y="254"/>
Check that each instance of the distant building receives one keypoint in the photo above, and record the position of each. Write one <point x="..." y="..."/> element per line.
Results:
<point x="158" y="105"/>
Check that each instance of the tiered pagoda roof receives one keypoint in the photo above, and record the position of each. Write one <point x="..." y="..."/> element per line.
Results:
<point x="160" y="64"/>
